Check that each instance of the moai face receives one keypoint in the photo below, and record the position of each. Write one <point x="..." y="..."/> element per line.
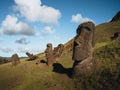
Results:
<point x="84" y="41"/>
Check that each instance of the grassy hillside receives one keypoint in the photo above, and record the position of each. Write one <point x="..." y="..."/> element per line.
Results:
<point x="31" y="76"/>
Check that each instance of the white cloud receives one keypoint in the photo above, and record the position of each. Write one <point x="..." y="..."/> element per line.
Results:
<point x="78" y="18"/>
<point x="48" y="30"/>
<point x="23" y="50"/>
<point x="28" y="49"/>
<point x="11" y="26"/>
<point x="6" y="49"/>
<point x="22" y="40"/>
<point x="33" y="11"/>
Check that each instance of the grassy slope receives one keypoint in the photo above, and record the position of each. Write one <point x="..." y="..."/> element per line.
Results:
<point x="29" y="76"/>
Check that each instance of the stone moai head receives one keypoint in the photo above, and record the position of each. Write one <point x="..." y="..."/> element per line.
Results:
<point x="58" y="50"/>
<point x="15" y="59"/>
<point x="61" y="48"/>
<point x="31" y="56"/>
<point x="49" y="50"/>
<point x="49" y="45"/>
<point x="27" y="53"/>
<point x="84" y="41"/>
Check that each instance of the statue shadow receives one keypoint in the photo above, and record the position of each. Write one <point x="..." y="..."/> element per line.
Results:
<point x="58" y="68"/>
<point x="43" y="61"/>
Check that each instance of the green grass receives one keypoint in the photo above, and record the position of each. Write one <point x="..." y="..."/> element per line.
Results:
<point x="31" y="76"/>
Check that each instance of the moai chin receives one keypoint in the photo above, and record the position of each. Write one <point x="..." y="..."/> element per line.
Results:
<point x="83" y="48"/>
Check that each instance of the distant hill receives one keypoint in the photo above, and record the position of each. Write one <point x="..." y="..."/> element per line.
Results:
<point x="116" y="17"/>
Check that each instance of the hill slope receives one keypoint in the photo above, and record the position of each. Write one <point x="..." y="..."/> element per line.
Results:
<point x="29" y="76"/>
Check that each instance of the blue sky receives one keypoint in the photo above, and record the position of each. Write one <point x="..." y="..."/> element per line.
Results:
<point x="28" y="25"/>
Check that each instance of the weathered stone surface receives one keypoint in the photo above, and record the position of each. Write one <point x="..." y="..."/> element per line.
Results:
<point x="31" y="56"/>
<point x="83" y="48"/>
<point x="58" y="50"/>
<point x="49" y="54"/>
<point x="15" y="59"/>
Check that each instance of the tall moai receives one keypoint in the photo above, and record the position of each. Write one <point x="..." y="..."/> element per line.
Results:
<point x="15" y="59"/>
<point x="83" y="49"/>
<point x="49" y="54"/>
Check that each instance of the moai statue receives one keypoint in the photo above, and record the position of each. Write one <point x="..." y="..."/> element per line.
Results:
<point x="83" y="49"/>
<point x="58" y="50"/>
<point x="61" y="48"/>
<point x="31" y="56"/>
<point x="15" y="59"/>
<point x="49" y="54"/>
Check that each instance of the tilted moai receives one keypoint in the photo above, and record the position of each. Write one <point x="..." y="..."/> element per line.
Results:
<point x="31" y="56"/>
<point x="15" y="59"/>
<point x="83" y="49"/>
<point x="49" y="54"/>
<point x="58" y="50"/>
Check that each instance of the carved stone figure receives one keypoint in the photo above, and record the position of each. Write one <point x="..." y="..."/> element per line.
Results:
<point x="58" y="50"/>
<point x="31" y="56"/>
<point x="49" y="54"/>
<point x="15" y="59"/>
<point x="83" y="48"/>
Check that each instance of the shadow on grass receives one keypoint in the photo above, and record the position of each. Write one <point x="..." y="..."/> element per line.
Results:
<point x="58" y="68"/>
<point x="43" y="61"/>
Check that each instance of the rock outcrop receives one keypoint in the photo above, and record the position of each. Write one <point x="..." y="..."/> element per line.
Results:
<point x="83" y="49"/>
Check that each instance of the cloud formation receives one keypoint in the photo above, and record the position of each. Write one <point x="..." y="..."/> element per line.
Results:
<point x="78" y="18"/>
<point x="33" y="10"/>
<point x="22" y="40"/>
<point x="11" y="26"/>
<point x="26" y="49"/>
<point x="5" y="49"/>
<point x="48" y="30"/>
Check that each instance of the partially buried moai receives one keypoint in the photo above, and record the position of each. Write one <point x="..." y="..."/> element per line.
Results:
<point x="31" y="56"/>
<point x="83" y="49"/>
<point x="49" y="54"/>
<point x="15" y="59"/>
<point x="57" y="52"/>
